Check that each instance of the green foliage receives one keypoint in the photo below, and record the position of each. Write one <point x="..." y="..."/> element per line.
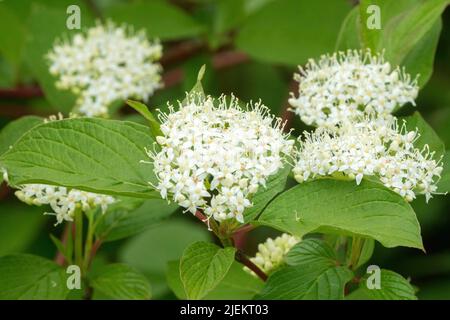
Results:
<point x="20" y="225"/>
<point x="274" y="185"/>
<point x="26" y="276"/>
<point x="11" y="42"/>
<point x="122" y="282"/>
<point x="313" y="272"/>
<point x="237" y="283"/>
<point x="150" y="251"/>
<point x="342" y="207"/>
<point x="392" y="287"/>
<point x="202" y="267"/>
<point x="95" y="155"/>
<point x="159" y="18"/>
<point x="48" y="24"/>
<point x="131" y="216"/>
<point x="286" y="31"/>
<point x="175" y="254"/>
<point x="143" y="110"/>
<point x="15" y="129"/>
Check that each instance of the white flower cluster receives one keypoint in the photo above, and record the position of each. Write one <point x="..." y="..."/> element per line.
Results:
<point x="63" y="201"/>
<point x="106" y="64"/>
<point x="214" y="154"/>
<point x="348" y="84"/>
<point x="271" y="253"/>
<point x="370" y="147"/>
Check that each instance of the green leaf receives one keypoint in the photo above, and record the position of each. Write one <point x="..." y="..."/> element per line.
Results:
<point x="145" y="112"/>
<point x="20" y="226"/>
<point x="174" y="280"/>
<point x="392" y="287"/>
<point x="197" y="89"/>
<point x="349" y="35"/>
<point x="122" y="221"/>
<point x="420" y="60"/>
<point x="287" y="31"/>
<point x="15" y="129"/>
<point x="312" y="273"/>
<point x="46" y="25"/>
<point x="237" y="284"/>
<point x="342" y="207"/>
<point x="158" y="18"/>
<point x="274" y="185"/>
<point x="11" y="42"/>
<point x="25" y="276"/>
<point x="122" y="282"/>
<point x="202" y="267"/>
<point x="427" y="134"/>
<point x="150" y="251"/>
<point x="96" y="155"/>
<point x="366" y="252"/>
<point x="402" y="33"/>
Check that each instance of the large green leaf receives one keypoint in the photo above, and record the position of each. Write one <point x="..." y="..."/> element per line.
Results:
<point x="392" y="287"/>
<point x="202" y="267"/>
<point x="349" y="35"/>
<point x="15" y="129"/>
<point x="237" y="284"/>
<point x="403" y="32"/>
<point x="25" y="276"/>
<point x="292" y="31"/>
<point x="120" y="281"/>
<point x="160" y="19"/>
<point x="313" y="272"/>
<point x="122" y="221"/>
<point x="342" y="207"/>
<point x="95" y="155"/>
<point x="274" y="185"/>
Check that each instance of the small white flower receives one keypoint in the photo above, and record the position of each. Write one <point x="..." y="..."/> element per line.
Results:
<point x="62" y="201"/>
<point x="350" y="84"/>
<point x="214" y="155"/>
<point x="105" y="64"/>
<point x="370" y="147"/>
<point x="271" y="253"/>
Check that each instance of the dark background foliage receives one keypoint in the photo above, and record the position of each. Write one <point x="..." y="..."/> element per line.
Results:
<point x="250" y="48"/>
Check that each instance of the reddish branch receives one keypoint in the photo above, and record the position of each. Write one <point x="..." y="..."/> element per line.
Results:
<point x="97" y="244"/>
<point x="287" y="115"/>
<point x="21" y="92"/>
<point x="59" y="258"/>
<point x="181" y="51"/>
<point x="242" y="258"/>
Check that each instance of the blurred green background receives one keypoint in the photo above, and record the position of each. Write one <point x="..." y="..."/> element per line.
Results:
<point x="251" y="48"/>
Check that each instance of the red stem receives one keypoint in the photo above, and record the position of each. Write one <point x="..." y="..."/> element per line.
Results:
<point x="242" y="258"/>
<point x="59" y="258"/>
